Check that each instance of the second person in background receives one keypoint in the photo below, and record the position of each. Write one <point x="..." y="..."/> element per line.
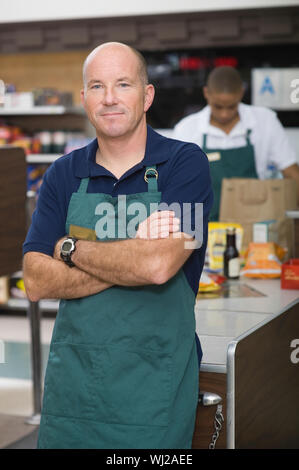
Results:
<point x="240" y="140"/>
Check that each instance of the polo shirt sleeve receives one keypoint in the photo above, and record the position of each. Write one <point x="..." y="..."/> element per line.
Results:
<point x="188" y="190"/>
<point x="48" y="220"/>
<point x="281" y="152"/>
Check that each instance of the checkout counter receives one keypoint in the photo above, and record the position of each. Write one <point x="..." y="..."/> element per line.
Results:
<point x="247" y="333"/>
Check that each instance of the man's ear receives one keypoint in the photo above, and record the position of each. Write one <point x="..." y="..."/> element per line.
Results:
<point x="205" y="91"/>
<point x="82" y="96"/>
<point x="242" y="91"/>
<point x="149" y="95"/>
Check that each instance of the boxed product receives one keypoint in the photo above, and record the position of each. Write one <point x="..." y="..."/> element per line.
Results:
<point x="217" y="242"/>
<point x="290" y="274"/>
<point x="18" y="100"/>
<point x="265" y="231"/>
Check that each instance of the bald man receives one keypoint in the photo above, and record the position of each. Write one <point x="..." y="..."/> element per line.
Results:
<point x="241" y="141"/>
<point x="123" y="362"/>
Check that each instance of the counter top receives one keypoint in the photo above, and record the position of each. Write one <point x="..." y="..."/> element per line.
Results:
<point x="220" y="320"/>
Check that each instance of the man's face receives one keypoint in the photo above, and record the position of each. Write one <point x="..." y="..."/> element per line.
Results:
<point x="224" y="106"/>
<point x="114" y="97"/>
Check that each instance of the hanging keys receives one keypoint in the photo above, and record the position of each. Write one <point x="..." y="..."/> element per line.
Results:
<point x="212" y="399"/>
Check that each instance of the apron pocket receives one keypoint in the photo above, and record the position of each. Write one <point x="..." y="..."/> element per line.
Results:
<point x="108" y="384"/>
<point x="137" y="386"/>
<point x="70" y="381"/>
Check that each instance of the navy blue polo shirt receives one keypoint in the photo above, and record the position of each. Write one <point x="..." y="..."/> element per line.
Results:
<point x="184" y="177"/>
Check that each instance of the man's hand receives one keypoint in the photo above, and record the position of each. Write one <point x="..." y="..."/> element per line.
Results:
<point x="158" y="225"/>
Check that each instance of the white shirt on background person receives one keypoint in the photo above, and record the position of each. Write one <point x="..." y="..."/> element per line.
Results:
<point x="268" y="137"/>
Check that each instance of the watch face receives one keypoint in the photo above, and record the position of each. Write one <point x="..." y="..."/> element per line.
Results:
<point x="67" y="245"/>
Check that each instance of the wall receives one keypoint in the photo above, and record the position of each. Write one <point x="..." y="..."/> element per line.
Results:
<point x="61" y="70"/>
<point x="35" y="10"/>
<point x="293" y="135"/>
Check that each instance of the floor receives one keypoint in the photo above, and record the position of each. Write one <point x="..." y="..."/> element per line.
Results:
<point x="16" y="390"/>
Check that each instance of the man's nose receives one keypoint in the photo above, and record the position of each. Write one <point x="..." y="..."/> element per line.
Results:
<point x="110" y="96"/>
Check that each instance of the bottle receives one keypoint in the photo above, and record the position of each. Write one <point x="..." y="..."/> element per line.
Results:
<point x="231" y="260"/>
<point x="272" y="172"/>
<point x="58" y="142"/>
<point x="46" y="141"/>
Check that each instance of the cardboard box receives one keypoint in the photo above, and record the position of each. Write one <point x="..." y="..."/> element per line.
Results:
<point x="290" y="274"/>
<point x="249" y="200"/>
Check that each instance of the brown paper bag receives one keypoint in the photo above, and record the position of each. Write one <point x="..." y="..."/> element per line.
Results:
<point x="248" y="200"/>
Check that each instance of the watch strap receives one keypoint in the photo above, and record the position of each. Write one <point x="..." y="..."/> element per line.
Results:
<point x="66" y="257"/>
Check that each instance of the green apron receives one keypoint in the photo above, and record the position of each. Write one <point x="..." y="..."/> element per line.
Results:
<point x="123" y="368"/>
<point x="236" y="162"/>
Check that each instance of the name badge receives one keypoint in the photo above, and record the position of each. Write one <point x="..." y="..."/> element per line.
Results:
<point x="213" y="156"/>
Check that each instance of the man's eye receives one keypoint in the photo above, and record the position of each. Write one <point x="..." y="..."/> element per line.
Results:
<point x="124" y="84"/>
<point x="95" y="87"/>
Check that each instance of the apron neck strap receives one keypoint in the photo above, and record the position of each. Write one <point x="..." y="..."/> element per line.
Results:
<point x="248" y="136"/>
<point x="204" y="141"/>
<point x="151" y="177"/>
<point x="83" y="185"/>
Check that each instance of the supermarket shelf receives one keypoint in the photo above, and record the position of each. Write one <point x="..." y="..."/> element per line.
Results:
<point x="22" y="304"/>
<point x="42" y="157"/>
<point x="38" y="110"/>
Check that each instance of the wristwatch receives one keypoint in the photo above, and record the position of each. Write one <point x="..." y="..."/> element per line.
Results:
<point x="67" y="249"/>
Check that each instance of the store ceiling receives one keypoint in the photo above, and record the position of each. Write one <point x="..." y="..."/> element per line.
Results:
<point x="157" y="32"/>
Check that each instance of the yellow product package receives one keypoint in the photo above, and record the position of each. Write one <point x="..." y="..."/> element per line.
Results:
<point x="207" y="284"/>
<point x="263" y="260"/>
<point x="217" y="242"/>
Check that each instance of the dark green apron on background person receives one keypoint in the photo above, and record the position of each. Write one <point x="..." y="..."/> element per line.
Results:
<point x="123" y="367"/>
<point x="236" y="162"/>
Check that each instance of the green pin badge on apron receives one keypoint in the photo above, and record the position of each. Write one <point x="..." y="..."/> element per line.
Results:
<point x="229" y="163"/>
<point x="123" y="368"/>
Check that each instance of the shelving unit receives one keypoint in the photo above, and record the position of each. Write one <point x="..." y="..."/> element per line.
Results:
<point x="38" y="110"/>
<point x="42" y="158"/>
<point x="48" y="117"/>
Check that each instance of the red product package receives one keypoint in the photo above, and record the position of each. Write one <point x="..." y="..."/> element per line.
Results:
<point x="290" y="274"/>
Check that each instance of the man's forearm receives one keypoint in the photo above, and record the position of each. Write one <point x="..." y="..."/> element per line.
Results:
<point x="132" y="262"/>
<point x="45" y="277"/>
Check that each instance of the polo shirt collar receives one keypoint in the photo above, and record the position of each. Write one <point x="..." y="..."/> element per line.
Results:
<point x="156" y="151"/>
